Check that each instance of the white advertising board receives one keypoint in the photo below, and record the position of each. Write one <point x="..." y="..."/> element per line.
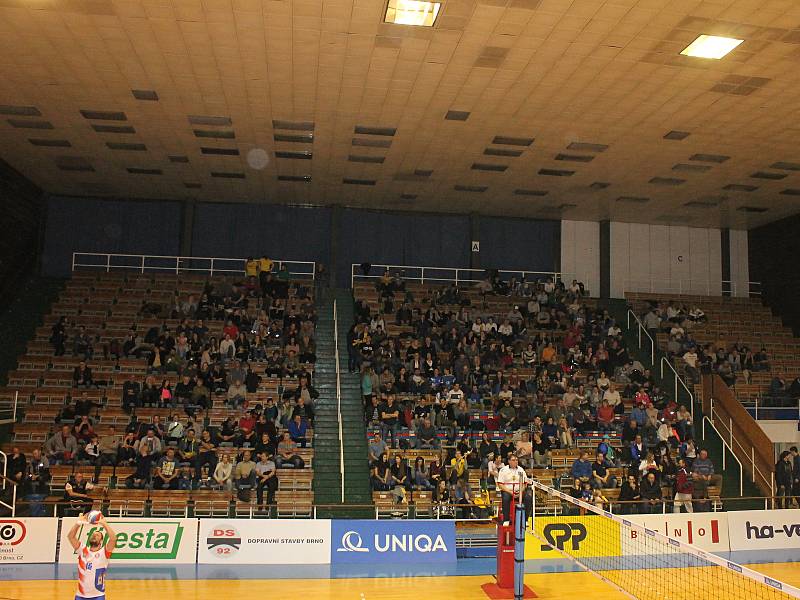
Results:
<point x="140" y="541"/>
<point x="707" y="531"/>
<point x="764" y="529"/>
<point x="265" y="541"/>
<point x="28" y="540"/>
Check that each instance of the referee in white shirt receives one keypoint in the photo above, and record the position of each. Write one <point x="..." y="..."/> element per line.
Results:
<point x="509" y="480"/>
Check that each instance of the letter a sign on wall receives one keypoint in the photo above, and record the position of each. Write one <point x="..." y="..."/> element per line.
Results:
<point x="476" y="246"/>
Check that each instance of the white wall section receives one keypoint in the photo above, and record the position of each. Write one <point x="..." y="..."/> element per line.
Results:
<point x="665" y="259"/>
<point x="740" y="265"/>
<point x="580" y="253"/>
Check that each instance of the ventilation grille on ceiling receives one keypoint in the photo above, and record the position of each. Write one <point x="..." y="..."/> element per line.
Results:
<point x="785" y="166"/>
<point x="372" y="143"/>
<point x="408" y="196"/>
<point x="26" y="124"/>
<point x="667" y="181"/>
<point x="104" y="115"/>
<point x="220" y="151"/>
<point x="296" y="178"/>
<point x="20" y="111"/>
<point x="714" y="158"/>
<point x="488" y="167"/>
<point x="740" y="85"/>
<point x="352" y="181"/>
<point x="368" y="130"/>
<point x="50" y="143"/>
<point x="502" y="152"/>
<point x="293" y="125"/>
<point x="556" y="172"/>
<point x="471" y="188"/>
<point x="456" y="115"/>
<point x="633" y="199"/>
<point x="178" y="158"/>
<point x="423" y="172"/>
<point x="767" y="175"/>
<point x="141" y="171"/>
<point x="691" y="168"/>
<point x="213" y="121"/>
<point x="752" y="209"/>
<point x="366" y="159"/>
<point x="738" y="187"/>
<point x="296" y="138"/>
<point x="567" y="206"/>
<point x="227" y="175"/>
<point x="676" y="135"/>
<point x="504" y="140"/>
<point x="222" y="134"/>
<point x="674" y="218"/>
<point x="575" y="157"/>
<point x="701" y="204"/>
<point x="150" y="95"/>
<point x="74" y="163"/>
<point x="599" y="185"/>
<point x="294" y="155"/>
<point x="192" y="185"/>
<point x="791" y="192"/>
<point x="113" y="128"/>
<point x="522" y="192"/>
<point x="587" y="147"/>
<point x="126" y="146"/>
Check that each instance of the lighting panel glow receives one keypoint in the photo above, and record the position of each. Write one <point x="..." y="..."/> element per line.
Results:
<point x="711" y="46"/>
<point x="412" y="12"/>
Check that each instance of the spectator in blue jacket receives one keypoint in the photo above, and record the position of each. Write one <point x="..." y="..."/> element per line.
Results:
<point x="639" y="414"/>
<point x="582" y="468"/>
<point x="638" y="450"/>
<point x="297" y="430"/>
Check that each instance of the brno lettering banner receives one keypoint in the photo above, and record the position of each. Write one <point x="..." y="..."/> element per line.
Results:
<point x="140" y="541"/>
<point x="265" y="541"/>
<point x="364" y="542"/>
<point x="764" y="529"/>
<point x="28" y="540"/>
<point x="706" y="531"/>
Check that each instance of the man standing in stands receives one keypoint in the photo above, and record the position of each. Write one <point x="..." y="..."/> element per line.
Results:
<point x="511" y="479"/>
<point x="703" y="476"/>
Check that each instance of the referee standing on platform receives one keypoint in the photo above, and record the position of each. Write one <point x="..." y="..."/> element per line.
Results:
<point x="509" y="480"/>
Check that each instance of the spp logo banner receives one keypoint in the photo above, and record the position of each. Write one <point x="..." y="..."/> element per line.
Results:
<point x="577" y="536"/>
<point x="395" y="541"/>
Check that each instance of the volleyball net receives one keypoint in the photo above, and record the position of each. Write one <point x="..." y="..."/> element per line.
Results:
<point x="641" y="563"/>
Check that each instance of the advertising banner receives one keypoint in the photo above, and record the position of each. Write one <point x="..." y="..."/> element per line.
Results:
<point x="140" y="541"/>
<point x="28" y="540"/>
<point x="265" y="541"/>
<point x="393" y="542"/>
<point x="580" y="536"/>
<point x="707" y="531"/>
<point x="764" y="529"/>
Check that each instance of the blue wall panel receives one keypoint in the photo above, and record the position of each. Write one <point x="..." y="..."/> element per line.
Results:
<point x="105" y="225"/>
<point x="277" y="231"/>
<point x="520" y="244"/>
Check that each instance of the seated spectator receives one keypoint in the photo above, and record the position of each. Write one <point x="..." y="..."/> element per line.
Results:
<point x="82" y="344"/>
<point x="266" y="478"/>
<point x="703" y="476"/>
<point x="650" y="492"/>
<point x="62" y="447"/>
<point x="131" y="391"/>
<point x="37" y="473"/>
<point x="601" y="476"/>
<point x="166" y="475"/>
<point x="297" y="430"/>
<point x="151" y="442"/>
<point x="541" y="452"/>
<point x="144" y="466"/>
<point x="421" y="475"/>
<point x="16" y="467"/>
<point x="244" y="474"/>
<point x="380" y="474"/>
<point x="605" y="417"/>
<point x="629" y="495"/>
<point x="427" y="437"/>
<point x="236" y="394"/>
<point x="287" y="454"/>
<point x="582" y="468"/>
<point x="223" y="473"/>
<point x="76" y="493"/>
<point x="82" y="376"/>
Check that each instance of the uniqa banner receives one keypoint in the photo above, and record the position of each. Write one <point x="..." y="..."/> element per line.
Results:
<point x="393" y="541"/>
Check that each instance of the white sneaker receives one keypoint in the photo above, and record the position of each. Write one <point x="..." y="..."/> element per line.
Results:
<point x="506" y="523"/>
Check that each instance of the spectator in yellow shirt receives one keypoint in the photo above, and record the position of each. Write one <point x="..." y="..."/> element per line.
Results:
<point x="251" y="267"/>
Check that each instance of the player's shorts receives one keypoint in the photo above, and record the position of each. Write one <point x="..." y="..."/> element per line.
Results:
<point x="103" y="597"/>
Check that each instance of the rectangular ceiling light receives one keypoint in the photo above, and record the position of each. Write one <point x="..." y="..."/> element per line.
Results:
<point x="711" y="46"/>
<point x="412" y="12"/>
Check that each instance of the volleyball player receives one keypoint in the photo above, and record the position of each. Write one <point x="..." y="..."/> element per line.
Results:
<point x="92" y="558"/>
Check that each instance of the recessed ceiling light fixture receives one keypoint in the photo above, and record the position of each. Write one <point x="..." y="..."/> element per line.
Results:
<point x="711" y="46"/>
<point x="412" y="12"/>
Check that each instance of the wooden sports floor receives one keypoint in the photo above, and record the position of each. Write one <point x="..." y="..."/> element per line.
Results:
<point x="547" y="586"/>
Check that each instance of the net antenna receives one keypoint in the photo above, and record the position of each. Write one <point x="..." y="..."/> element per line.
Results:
<point x="641" y="563"/>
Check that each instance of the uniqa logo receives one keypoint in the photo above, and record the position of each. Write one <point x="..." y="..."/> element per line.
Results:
<point x="352" y="542"/>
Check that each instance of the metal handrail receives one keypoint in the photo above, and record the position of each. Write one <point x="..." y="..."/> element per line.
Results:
<point x="641" y="329"/>
<point x="6" y="481"/>
<point x="172" y="264"/>
<point x="13" y="411"/>
<point x="442" y="274"/>
<point x="678" y="379"/>
<point x="731" y="441"/>
<point x="725" y="446"/>
<point x="338" y="394"/>
<point x="755" y="406"/>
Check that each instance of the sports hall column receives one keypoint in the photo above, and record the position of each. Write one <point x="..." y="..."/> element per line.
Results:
<point x="605" y="259"/>
<point x="725" y="254"/>
<point x="475" y="241"/>
<point x="187" y="226"/>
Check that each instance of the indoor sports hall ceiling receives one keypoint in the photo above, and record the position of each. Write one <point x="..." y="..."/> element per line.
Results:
<point x="581" y="109"/>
